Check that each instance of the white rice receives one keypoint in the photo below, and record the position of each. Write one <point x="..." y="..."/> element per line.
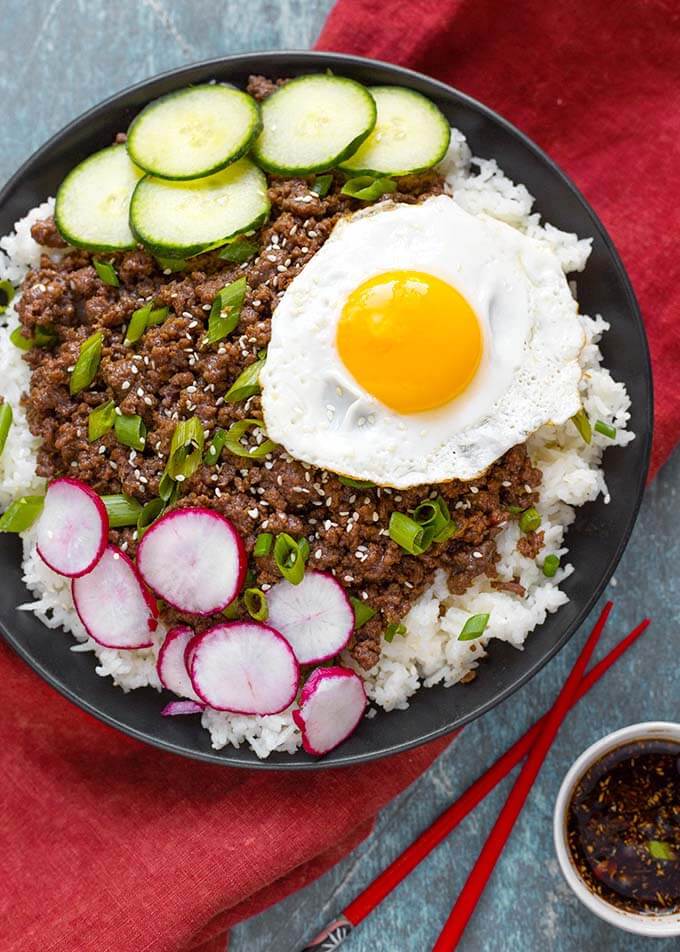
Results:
<point x="430" y="652"/>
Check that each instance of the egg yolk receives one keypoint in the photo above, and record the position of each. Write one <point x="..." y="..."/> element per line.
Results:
<point x="410" y="339"/>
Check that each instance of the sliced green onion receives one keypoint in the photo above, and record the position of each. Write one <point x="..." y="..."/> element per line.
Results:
<point x="235" y="434"/>
<point x="247" y="383"/>
<point x="256" y="604"/>
<point x="407" y="533"/>
<point x="367" y="188"/>
<point x="304" y="548"/>
<point x="474" y="627"/>
<point x="515" y="510"/>
<point x="289" y="557"/>
<point x="100" y="420"/>
<point x="137" y="324"/>
<point x="238" y="251"/>
<point x="606" y="429"/>
<point x="186" y="449"/>
<point x="433" y="515"/>
<point x="172" y="264"/>
<point x="149" y="512"/>
<point x="322" y="185"/>
<point x="86" y="366"/>
<point x="263" y="544"/>
<point x="530" y="520"/>
<point x="393" y="629"/>
<point x="362" y="611"/>
<point x="226" y="311"/>
<point x="582" y="424"/>
<point x="215" y="447"/>
<point x="551" y="563"/>
<point x="106" y="272"/>
<point x="233" y="610"/>
<point x="130" y="430"/>
<point x="660" y="850"/>
<point x="7" y="293"/>
<point x="19" y="340"/>
<point x="45" y="336"/>
<point x="122" y="510"/>
<point x="6" y="417"/>
<point x="157" y="316"/>
<point x="21" y="514"/>
<point x="356" y="483"/>
<point x="167" y="489"/>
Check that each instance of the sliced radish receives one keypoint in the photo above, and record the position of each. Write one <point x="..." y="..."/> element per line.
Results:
<point x="73" y="528"/>
<point x="315" y="617"/>
<point x="171" y="668"/>
<point x="181" y="707"/>
<point x="113" y="603"/>
<point x="194" y="559"/>
<point x="332" y="703"/>
<point x="244" y="667"/>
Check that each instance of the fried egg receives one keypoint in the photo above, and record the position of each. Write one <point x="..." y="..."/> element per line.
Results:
<point x="419" y="344"/>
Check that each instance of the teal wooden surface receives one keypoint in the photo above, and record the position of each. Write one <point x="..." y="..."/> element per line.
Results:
<point x="60" y="58"/>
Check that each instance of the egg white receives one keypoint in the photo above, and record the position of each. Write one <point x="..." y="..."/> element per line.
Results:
<point x="528" y="375"/>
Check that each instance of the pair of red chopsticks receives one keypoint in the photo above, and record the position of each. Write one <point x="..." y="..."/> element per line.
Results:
<point x="534" y="745"/>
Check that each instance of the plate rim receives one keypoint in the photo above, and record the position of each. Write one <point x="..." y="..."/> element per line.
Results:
<point x="335" y="759"/>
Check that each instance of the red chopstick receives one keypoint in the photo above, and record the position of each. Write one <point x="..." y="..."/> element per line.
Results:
<point x="466" y="903"/>
<point x="416" y="852"/>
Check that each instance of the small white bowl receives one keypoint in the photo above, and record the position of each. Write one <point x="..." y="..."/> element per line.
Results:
<point x="659" y="926"/>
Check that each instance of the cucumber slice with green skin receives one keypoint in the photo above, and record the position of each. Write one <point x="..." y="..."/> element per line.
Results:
<point x="312" y="123"/>
<point x="194" y="132"/>
<point x="410" y="135"/>
<point x="180" y="219"/>
<point x="93" y="202"/>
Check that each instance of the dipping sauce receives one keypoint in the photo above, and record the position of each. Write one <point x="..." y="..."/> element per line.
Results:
<point x="623" y="827"/>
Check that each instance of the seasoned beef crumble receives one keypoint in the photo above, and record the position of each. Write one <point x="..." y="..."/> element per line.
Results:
<point x="170" y="375"/>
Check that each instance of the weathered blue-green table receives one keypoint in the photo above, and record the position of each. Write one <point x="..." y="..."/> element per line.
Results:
<point x="61" y="57"/>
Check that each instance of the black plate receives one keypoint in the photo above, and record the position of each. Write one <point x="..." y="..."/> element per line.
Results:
<point x="596" y="540"/>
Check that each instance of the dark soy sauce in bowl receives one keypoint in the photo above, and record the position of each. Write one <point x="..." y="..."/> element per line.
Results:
<point x="623" y="827"/>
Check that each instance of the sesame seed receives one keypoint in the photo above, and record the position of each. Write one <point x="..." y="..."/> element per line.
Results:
<point x="101" y="450"/>
<point x="476" y="555"/>
<point x="134" y="368"/>
<point x="253" y="513"/>
<point x="140" y="392"/>
<point x="126" y="385"/>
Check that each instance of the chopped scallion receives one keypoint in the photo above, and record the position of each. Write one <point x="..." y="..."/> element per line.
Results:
<point x="247" y="383"/>
<point x="433" y="515"/>
<point x="215" y="447"/>
<point x="122" y="510"/>
<point x="226" y="310"/>
<point x="149" y="512"/>
<point x="186" y="449"/>
<point x="530" y="520"/>
<point x="86" y="366"/>
<point x="130" y="430"/>
<point x="233" y="610"/>
<point x="393" y="629"/>
<point x="582" y="424"/>
<point x="167" y="489"/>
<point x="660" y="850"/>
<point x="6" y="417"/>
<point x="606" y="429"/>
<point x="237" y="431"/>
<point x="19" y="340"/>
<point x="474" y="627"/>
<point x="137" y="324"/>
<point x="106" y="272"/>
<point x="322" y="184"/>
<point x="45" y="336"/>
<point x="157" y="315"/>
<point x="238" y="251"/>
<point x="21" y="514"/>
<point x="172" y="264"/>
<point x="407" y="533"/>
<point x="289" y="557"/>
<point x="7" y="293"/>
<point x="100" y="420"/>
<point x="356" y="483"/>
<point x="256" y="604"/>
<point x="551" y="563"/>
<point x="362" y="611"/>
<point x="263" y="544"/>
<point x="367" y="188"/>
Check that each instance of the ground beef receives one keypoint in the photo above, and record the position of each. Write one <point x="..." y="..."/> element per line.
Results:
<point x="45" y="233"/>
<point x="530" y="544"/>
<point x="171" y="375"/>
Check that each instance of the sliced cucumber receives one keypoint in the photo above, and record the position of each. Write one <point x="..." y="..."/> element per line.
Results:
<point x="312" y="123"/>
<point x="180" y="219"/>
<point x="93" y="201"/>
<point x="411" y="135"/>
<point x="194" y="132"/>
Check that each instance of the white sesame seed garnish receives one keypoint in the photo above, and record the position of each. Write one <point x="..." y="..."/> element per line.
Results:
<point x="253" y="513"/>
<point x="476" y="555"/>
<point x="125" y="385"/>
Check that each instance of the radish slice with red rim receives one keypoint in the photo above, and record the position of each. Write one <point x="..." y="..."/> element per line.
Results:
<point x="332" y="703"/>
<point x="170" y="665"/>
<point x="315" y="617"/>
<point x="194" y="559"/>
<point x="113" y="603"/>
<point x="73" y="528"/>
<point x="244" y="667"/>
<point x="181" y="707"/>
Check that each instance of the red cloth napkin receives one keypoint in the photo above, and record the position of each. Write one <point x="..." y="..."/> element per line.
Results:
<point x="110" y="846"/>
<point x="597" y="85"/>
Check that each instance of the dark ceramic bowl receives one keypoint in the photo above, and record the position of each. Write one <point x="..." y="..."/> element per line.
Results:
<point x="596" y="539"/>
